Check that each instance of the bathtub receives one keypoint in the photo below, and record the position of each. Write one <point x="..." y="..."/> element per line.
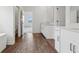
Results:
<point x="48" y="31"/>
<point x="3" y="41"/>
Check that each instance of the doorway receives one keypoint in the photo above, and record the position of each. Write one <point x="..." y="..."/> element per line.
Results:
<point x="18" y="21"/>
<point x="27" y="26"/>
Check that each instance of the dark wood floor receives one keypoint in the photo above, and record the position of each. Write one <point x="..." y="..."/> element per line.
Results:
<point x="31" y="43"/>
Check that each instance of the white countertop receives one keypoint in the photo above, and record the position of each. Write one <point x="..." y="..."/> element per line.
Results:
<point x="71" y="29"/>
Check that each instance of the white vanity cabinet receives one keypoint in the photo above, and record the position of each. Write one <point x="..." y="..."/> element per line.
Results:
<point x="2" y="41"/>
<point x="75" y="42"/>
<point x="69" y="41"/>
<point x="75" y="47"/>
<point x="65" y="41"/>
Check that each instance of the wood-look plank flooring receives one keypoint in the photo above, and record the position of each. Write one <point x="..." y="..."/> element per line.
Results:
<point x="30" y="43"/>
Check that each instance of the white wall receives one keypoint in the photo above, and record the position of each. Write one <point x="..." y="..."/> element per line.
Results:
<point x="40" y="14"/>
<point x="67" y="13"/>
<point x="7" y="23"/>
<point x="50" y="13"/>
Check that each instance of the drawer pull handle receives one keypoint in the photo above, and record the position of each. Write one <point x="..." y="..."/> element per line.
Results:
<point x="71" y="47"/>
<point x="74" y="47"/>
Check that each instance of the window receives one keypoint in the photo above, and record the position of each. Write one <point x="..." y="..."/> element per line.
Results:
<point x="29" y="19"/>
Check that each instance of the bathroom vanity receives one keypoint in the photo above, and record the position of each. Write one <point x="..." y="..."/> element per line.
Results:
<point x="69" y="40"/>
<point x="69" y="35"/>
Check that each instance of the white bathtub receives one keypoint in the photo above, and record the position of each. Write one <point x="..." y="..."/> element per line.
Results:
<point x="3" y="41"/>
<point x="48" y="31"/>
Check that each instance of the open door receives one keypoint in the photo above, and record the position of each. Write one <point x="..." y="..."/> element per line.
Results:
<point x="21" y="22"/>
<point x="18" y="21"/>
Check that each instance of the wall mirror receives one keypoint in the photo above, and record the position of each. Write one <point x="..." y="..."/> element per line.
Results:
<point x="74" y="14"/>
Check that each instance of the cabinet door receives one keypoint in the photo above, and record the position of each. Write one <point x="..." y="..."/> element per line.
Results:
<point x="75" y="41"/>
<point x="65" y="41"/>
<point x="76" y="48"/>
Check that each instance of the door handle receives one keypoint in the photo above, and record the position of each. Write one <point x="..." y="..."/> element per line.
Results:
<point x="74" y="47"/>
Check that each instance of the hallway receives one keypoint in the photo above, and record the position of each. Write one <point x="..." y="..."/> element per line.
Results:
<point x="30" y="43"/>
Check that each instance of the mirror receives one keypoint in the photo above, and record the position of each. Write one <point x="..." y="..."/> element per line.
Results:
<point x="77" y="16"/>
<point x="74" y="14"/>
